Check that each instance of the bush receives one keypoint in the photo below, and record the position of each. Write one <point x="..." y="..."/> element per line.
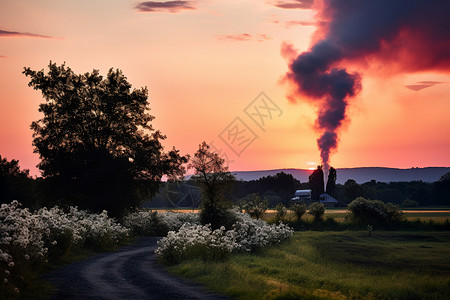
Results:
<point x="216" y="215"/>
<point x="409" y="203"/>
<point x="255" y="206"/>
<point x="370" y="212"/>
<point x="155" y="224"/>
<point x="281" y="212"/>
<point x="299" y="209"/>
<point x="317" y="209"/>
<point x="28" y="239"/>
<point x="197" y="241"/>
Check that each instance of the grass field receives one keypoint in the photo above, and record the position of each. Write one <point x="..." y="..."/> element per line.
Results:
<point x="335" y="265"/>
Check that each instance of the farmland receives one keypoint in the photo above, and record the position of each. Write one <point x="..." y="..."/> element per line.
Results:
<point x="335" y="265"/>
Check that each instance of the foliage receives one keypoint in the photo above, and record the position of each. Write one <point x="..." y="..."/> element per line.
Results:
<point x="372" y="212"/>
<point x="331" y="183"/>
<point x="316" y="183"/>
<point x="215" y="183"/>
<point x="317" y="210"/>
<point x="16" y="184"/>
<point x="28" y="239"/>
<point x="281" y="212"/>
<point x="299" y="209"/>
<point x="333" y="265"/>
<point x="255" y="206"/>
<point x="158" y="224"/>
<point x="441" y="190"/>
<point x="96" y="142"/>
<point x="200" y="241"/>
<point x="277" y="188"/>
<point x="409" y="203"/>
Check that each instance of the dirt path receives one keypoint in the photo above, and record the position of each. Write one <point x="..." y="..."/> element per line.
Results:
<point x="130" y="273"/>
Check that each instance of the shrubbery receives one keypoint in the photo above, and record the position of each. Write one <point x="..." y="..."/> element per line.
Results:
<point x="299" y="209"/>
<point x="197" y="241"/>
<point x="317" y="210"/>
<point x="155" y="224"/>
<point x="255" y="206"/>
<point x="370" y="212"/>
<point x="28" y="239"/>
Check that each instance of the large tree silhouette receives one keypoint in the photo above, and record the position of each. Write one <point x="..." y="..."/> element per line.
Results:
<point x="96" y="142"/>
<point x="331" y="182"/>
<point x="316" y="183"/>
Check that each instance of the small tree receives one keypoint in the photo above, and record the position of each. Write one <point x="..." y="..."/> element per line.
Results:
<point x="281" y="212"/>
<point x="255" y="206"/>
<point x="317" y="209"/>
<point x="299" y="209"/>
<point x="215" y="183"/>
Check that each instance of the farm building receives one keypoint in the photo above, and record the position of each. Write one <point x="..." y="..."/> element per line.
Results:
<point x="302" y="196"/>
<point x="327" y="200"/>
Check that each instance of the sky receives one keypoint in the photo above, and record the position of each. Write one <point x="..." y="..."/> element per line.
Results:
<point x="223" y="72"/>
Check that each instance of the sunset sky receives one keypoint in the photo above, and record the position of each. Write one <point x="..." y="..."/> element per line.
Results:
<point x="206" y="63"/>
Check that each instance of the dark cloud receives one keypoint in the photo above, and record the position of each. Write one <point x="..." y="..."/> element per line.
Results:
<point x="294" y="4"/>
<point x="2" y="56"/>
<point x="169" y="6"/>
<point x="6" y="33"/>
<point x="402" y="36"/>
<point x="244" y="37"/>
<point x="422" y="85"/>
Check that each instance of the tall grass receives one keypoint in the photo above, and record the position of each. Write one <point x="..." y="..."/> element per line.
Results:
<point x="335" y="265"/>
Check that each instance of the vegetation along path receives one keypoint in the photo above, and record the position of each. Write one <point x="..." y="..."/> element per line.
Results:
<point x="130" y="273"/>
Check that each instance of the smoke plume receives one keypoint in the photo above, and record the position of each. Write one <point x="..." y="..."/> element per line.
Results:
<point x="392" y="36"/>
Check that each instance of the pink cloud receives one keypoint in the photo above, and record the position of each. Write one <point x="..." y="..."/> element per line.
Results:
<point x="244" y="37"/>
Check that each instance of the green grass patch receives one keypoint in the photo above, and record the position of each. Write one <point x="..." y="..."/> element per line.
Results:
<point x="334" y="265"/>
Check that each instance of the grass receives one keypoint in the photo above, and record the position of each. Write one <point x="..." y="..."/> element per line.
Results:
<point x="334" y="265"/>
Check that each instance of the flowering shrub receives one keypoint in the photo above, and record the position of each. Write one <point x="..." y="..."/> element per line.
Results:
<point x="193" y="240"/>
<point x="27" y="239"/>
<point x="199" y="241"/>
<point x="154" y="224"/>
<point x="21" y="241"/>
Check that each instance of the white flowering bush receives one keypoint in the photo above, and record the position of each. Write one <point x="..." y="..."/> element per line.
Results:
<point x="98" y="230"/>
<point x="28" y="239"/>
<point x="193" y="240"/>
<point x="197" y="241"/>
<point x="21" y="242"/>
<point x="158" y="224"/>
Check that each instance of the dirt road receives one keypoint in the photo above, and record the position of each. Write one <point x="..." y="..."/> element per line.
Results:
<point x="130" y="273"/>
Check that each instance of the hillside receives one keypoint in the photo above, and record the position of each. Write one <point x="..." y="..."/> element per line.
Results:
<point x="360" y="175"/>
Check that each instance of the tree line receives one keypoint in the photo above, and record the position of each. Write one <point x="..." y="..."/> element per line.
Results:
<point x="98" y="150"/>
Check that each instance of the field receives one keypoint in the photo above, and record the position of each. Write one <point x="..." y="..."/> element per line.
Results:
<point x="335" y="265"/>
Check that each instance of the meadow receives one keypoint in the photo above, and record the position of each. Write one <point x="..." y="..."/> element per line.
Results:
<point x="334" y="265"/>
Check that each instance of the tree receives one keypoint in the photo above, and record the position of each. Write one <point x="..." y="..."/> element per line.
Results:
<point x="441" y="190"/>
<point x="331" y="183"/>
<point x="16" y="184"/>
<point x="316" y="183"/>
<point x="96" y="142"/>
<point x="215" y="183"/>
<point x="255" y="206"/>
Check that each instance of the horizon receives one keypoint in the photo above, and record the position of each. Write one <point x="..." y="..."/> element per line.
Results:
<point x="210" y="68"/>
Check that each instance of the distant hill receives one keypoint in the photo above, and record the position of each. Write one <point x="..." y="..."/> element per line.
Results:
<point x="360" y="175"/>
